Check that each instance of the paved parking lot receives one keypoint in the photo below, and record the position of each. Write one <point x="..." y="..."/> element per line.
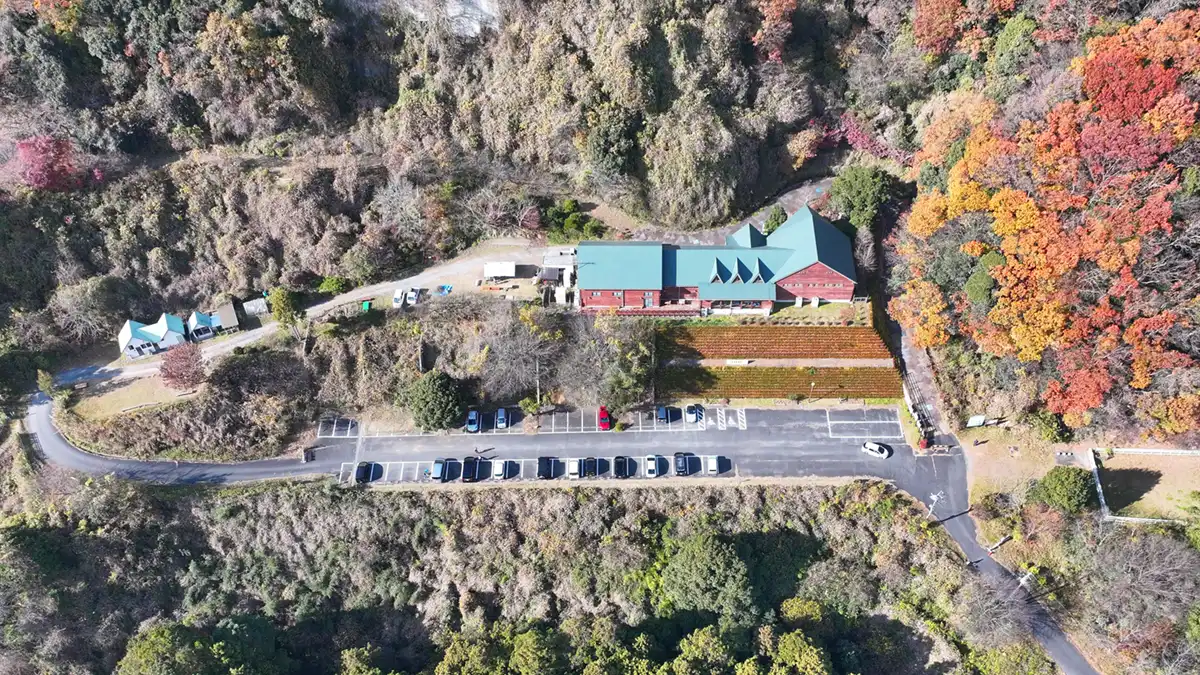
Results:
<point x="582" y="421"/>
<point x="525" y="468"/>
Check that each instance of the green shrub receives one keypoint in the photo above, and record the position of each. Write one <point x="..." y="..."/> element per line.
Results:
<point x="1049" y="426"/>
<point x="435" y="401"/>
<point x="860" y="191"/>
<point x="334" y="285"/>
<point x="1066" y="488"/>
<point x="775" y="218"/>
<point x="979" y="286"/>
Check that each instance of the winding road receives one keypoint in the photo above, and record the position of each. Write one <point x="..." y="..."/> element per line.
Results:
<point x="771" y="447"/>
<point x="772" y="450"/>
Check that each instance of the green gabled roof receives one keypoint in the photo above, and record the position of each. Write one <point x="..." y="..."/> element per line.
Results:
<point x="746" y="261"/>
<point x="747" y="237"/>
<point x="634" y="265"/>
<point x="813" y="239"/>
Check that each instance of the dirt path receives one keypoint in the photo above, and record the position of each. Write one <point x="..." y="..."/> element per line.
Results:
<point x="638" y="230"/>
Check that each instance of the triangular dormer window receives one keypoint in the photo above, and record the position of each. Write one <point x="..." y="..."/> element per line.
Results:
<point x="715" y="277"/>
<point x="758" y="273"/>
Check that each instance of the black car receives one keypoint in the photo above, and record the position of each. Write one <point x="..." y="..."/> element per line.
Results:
<point x="621" y="466"/>
<point x="681" y="464"/>
<point x="362" y="473"/>
<point x="545" y="468"/>
<point x="470" y="466"/>
<point x="589" y="467"/>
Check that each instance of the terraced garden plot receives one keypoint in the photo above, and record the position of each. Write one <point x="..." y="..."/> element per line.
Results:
<point x="733" y="382"/>
<point x="771" y="342"/>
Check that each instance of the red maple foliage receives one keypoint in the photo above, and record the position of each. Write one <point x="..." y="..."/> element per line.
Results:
<point x="776" y="27"/>
<point x="47" y="163"/>
<point x="1124" y="84"/>
<point x="935" y="26"/>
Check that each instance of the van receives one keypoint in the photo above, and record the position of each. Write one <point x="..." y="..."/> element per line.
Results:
<point x="398" y="299"/>
<point x="711" y="463"/>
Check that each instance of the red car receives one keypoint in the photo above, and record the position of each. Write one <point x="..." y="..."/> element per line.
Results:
<point x="603" y="419"/>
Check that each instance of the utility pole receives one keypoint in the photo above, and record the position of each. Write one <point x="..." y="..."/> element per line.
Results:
<point x="933" y="501"/>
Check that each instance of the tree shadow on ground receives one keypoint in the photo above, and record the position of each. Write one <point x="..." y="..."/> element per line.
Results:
<point x="403" y="640"/>
<point x="1124" y="487"/>
<point x="881" y="644"/>
<point x="681" y="381"/>
<point x="671" y="342"/>
<point x="774" y="561"/>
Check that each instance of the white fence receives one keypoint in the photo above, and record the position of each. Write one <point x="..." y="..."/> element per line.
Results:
<point x="1100" y="490"/>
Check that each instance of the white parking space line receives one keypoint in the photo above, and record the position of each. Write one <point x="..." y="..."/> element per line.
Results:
<point x="741" y="416"/>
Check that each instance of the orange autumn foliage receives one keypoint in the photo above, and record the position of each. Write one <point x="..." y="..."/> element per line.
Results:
<point x="1170" y="416"/>
<point x="921" y="310"/>
<point x="1079" y="199"/>
<point x="928" y="214"/>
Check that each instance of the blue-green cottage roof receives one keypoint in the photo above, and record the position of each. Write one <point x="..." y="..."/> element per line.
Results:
<point x="745" y="268"/>
<point x="635" y="265"/>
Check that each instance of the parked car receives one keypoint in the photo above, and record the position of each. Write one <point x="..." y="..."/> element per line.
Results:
<point x="501" y="418"/>
<point x="573" y="468"/>
<point x="439" y="470"/>
<point x="413" y="296"/>
<point x="712" y="465"/>
<point x="603" y="420"/>
<point x="877" y="450"/>
<point x="470" y="468"/>
<point x="499" y="469"/>
<point x="662" y="415"/>
<point x="651" y="468"/>
<point x="589" y="467"/>
<point x="691" y="414"/>
<point x="398" y="300"/>
<point x="621" y="466"/>
<point x="472" y="421"/>
<point x="545" y="470"/>
<point x="307" y="455"/>
<point x="681" y="464"/>
<point x="362" y="473"/>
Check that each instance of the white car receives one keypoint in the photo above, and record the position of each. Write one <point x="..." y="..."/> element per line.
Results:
<point x="398" y="299"/>
<point x="651" y="466"/>
<point x="413" y="297"/>
<point x="691" y="414"/>
<point x="501" y="418"/>
<point x="876" y="450"/>
<point x="712" y="464"/>
<point x="573" y="468"/>
<point x="498" y="468"/>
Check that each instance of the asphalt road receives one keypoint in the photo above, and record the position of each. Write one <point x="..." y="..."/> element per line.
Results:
<point x="773" y="444"/>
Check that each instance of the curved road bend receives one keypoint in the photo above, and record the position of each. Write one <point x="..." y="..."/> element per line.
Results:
<point x="764" y="452"/>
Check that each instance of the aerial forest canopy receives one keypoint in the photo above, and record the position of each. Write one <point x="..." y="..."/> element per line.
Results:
<point x="1051" y="251"/>
<point x="159" y="156"/>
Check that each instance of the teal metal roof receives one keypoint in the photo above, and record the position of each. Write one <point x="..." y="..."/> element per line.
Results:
<point x="747" y="237"/>
<point x="746" y="267"/>
<point x="202" y="319"/>
<point x="813" y="239"/>
<point x="630" y="265"/>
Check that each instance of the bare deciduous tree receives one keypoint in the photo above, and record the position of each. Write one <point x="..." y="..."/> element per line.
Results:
<point x="864" y="250"/>
<point x="995" y="611"/>
<point x="182" y="367"/>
